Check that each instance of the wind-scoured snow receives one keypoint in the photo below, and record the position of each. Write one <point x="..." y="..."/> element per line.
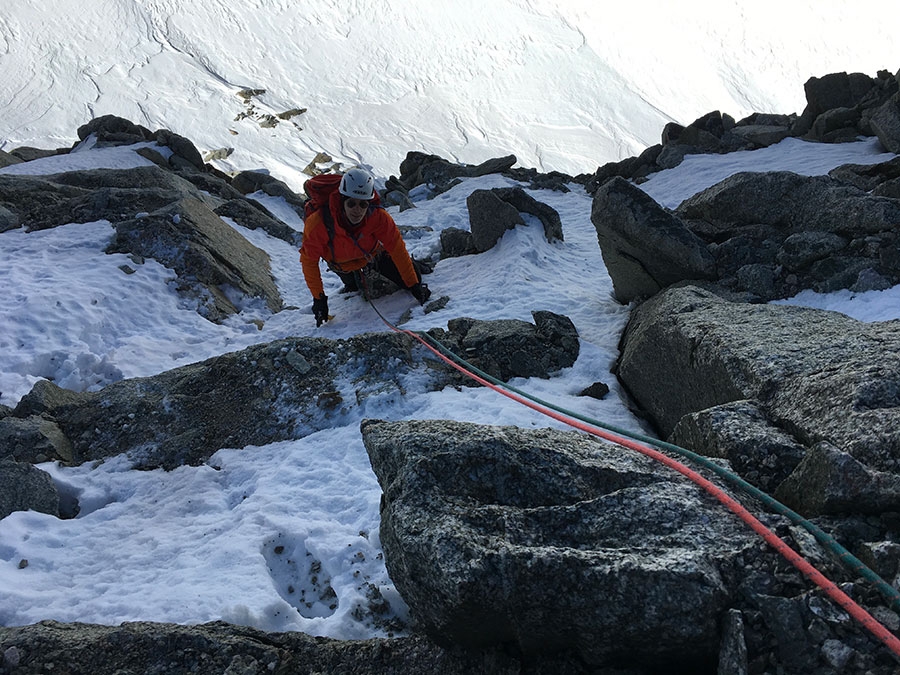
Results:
<point x="564" y="85"/>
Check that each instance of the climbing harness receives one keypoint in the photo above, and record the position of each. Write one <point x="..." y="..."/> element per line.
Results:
<point x="640" y="443"/>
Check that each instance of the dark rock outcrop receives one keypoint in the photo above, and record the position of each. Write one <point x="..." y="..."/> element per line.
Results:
<point x="217" y="648"/>
<point x="455" y="242"/>
<point x="24" y="487"/>
<point x="774" y="234"/>
<point x="762" y="236"/>
<point x="191" y="239"/>
<point x="812" y="376"/>
<point x="419" y="168"/>
<point x="508" y="348"/>
<point x="7" y="159"/>
<point x="489" y="218"/>
<point x="550" y="541"/>
<point x="493" y="212"/>
<point x="247" y="182"/>
<point x="254" y="216"/>
<point x="840" y="107"/>
<point x="645" y="248"/>
<point x="270" y="392"/>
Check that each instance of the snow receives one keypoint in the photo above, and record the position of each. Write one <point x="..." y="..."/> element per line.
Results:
<point x="564" y="85"/>
<point x="201" y="543"/>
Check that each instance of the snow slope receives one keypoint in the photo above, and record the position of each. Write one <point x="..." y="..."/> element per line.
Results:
<point x="230" y="539"/>
<point x="563" y="84"/>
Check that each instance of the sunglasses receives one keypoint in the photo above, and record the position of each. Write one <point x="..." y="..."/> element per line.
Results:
<point x="357" y="203"/>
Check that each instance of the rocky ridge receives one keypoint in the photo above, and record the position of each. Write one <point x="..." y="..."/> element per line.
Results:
<point x="801" y="403"/>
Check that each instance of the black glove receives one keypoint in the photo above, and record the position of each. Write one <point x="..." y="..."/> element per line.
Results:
<point x="320" y="309"/>
<point x="420" y="292"/>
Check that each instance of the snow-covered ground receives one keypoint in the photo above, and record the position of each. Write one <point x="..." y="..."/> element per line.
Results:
<point x="564" y="85"/>
<point x="230" y="539"/>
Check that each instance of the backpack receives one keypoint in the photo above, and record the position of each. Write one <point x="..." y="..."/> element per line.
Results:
<point x="319" y="189"/>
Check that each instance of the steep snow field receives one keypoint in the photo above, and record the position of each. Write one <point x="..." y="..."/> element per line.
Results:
<point x="563" y="84"/>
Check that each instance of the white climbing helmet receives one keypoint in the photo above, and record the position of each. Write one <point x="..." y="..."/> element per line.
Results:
<point x="357" y="183"/>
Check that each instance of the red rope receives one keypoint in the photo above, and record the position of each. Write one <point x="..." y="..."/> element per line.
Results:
<point x="836" y="594"/>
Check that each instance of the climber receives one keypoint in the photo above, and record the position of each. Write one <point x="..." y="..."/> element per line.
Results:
<point x="348" y="229"/>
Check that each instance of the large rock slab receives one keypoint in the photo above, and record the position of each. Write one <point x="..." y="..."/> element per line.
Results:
<point x="24" y="487"/>
<point x="202" y="249"/>
<point x="268" y="392"/>
<point x="813" y="374"/>
<point x="216" y="648"/>
<point x="645" y="248"/>
<point x="551" y="541"/>
<point x="265" y="393"/>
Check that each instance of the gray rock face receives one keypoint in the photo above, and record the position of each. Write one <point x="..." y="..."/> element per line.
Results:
<point x="741" y="432"/>
<point x="830" y="481"/>
<point x="493" y="212"/>
<point x="644" y="247"/>
<point x="886" y="124"/>
<point x="816" y="375"/>
<point x="33" y="439"/>
<point x="509" y="348"/>
<point x="551" y="541"/>
<point x="217" y="648"/>
<point x="269" y="392"/>
<point x="24" y="487"/>
<point x="188" y="237"/>
<point x="761" y="235"/>
<point x="86" y="196"/>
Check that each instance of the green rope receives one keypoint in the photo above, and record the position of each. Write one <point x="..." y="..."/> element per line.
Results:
<point x="854" y="564"/>
<point x="891" y="594"/>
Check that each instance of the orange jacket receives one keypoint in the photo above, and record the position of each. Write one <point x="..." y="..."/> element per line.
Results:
<point x="353" y="248"/>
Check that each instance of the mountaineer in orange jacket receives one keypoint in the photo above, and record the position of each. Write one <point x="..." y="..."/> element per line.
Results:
<point x="351" y="233"/>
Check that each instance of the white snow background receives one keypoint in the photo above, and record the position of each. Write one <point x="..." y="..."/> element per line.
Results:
<point x="564" y="86"/>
